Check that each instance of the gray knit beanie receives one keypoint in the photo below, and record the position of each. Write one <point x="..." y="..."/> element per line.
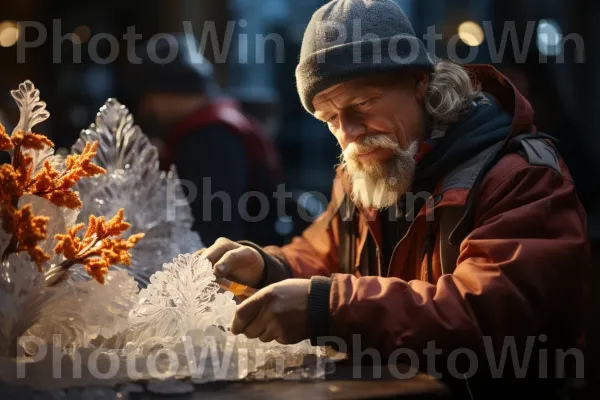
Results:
<point x="347" y="39"/>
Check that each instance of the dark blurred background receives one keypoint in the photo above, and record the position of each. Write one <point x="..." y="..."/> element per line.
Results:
<point x="561" y="81"/>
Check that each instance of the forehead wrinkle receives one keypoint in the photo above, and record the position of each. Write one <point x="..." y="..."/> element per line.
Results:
<point x="335" y="97"/>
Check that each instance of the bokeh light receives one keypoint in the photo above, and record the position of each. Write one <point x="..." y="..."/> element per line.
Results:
<point x="549" y="37"/>
<point x="471" y="33"/>
<point x="9" y="33"/>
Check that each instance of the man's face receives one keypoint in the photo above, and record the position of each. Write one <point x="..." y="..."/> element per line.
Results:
<point x="378" y="122"/>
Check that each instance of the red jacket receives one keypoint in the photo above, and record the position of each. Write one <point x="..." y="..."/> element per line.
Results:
<point x="520" y="271"/>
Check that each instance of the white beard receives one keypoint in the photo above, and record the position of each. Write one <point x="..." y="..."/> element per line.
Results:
<point x="380" y="185"/>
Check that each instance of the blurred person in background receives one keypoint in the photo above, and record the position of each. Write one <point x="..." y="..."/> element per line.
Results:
<point x="452" y="221"/>
<point x="223" y="153"/>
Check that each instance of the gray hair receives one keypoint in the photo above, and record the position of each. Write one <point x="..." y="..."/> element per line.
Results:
<point x="450" y="93"/>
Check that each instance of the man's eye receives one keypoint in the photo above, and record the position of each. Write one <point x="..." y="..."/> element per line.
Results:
<point x="331" y="119"/>
<point x="363" y="103"/>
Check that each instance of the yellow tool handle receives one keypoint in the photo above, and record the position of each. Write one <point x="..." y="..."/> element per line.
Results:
<point x="236" y="288"/>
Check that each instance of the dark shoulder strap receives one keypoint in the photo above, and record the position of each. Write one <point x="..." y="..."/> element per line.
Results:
<point x="456" y="222"/>
<point x="541" y="153"/>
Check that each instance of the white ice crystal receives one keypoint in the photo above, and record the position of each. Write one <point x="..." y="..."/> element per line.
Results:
<point x="181" y="298"/>
<point x="153" y="200"/>
<point x="81" y="311"/>
<point x="21" y="285"/>
<point x="32" y="112"/>
<point x="22" y="294"/>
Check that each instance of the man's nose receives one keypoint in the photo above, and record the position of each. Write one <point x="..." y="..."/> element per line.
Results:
<point x="351" y="128"/>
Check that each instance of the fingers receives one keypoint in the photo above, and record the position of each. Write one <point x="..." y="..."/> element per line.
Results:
<point x="237" y="265"/>
<point x="276" y="312"/>
<point x="248" y="311"/>
<point x="218" y="249"/>
<point x="228" y="262"/>
<point x="257" y="326"/>
<point x="199" y="252"/>
<point x="269" y="334"/>
<point x="262" y="326"/>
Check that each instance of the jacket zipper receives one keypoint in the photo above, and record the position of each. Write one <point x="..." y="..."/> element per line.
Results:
<point x="428" y="248"/>
<point x="389" y="267"/>
<point x="378" y="250"/>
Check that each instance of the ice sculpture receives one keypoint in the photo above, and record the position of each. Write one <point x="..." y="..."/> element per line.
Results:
<point x="153" y="199"/>
<point x="37" y="203"/>
<point x="32" y="110"/>
<point x="183" y="310"/>
<point x="181" y="299"/>
<point x="21" y="297"/>
<point x="78" y="312"/>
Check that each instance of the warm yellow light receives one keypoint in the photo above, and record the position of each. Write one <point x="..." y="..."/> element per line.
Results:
<point x="9" y="33"/>
<point x="81" y="34"/>
<point x="471" y="33"/>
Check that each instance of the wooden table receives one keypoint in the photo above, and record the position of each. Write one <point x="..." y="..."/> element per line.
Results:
<point x="338" y="385"/>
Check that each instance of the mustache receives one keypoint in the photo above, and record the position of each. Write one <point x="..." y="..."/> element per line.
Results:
<point x="367" y="143"/>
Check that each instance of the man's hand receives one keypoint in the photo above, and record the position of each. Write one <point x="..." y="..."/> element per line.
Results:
<point x="277" y="312"/>
<point x="238" y="263"/>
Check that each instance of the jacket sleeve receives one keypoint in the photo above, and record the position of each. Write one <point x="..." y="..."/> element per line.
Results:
<point x="521" y="266"/>
<point x="314" y="253"/>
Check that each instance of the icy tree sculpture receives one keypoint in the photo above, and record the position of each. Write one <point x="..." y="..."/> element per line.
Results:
<point x="184" y="310"/>
<point x="57" y="244"/>
<point x="182" y="297"/>
<point x="152" y="198"/>
<point x="39" y="243"/>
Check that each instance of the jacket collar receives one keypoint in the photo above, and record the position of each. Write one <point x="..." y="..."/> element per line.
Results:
<point x="507" y="95"/>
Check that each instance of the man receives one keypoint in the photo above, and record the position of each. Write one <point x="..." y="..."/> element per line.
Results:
<point x="450" y="220"/>
<point x="204" y="133"/>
